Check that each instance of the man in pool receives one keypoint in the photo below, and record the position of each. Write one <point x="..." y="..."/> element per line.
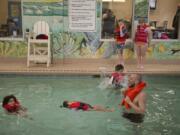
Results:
<point x="134" y="100"/>
<point x="84" y="106"/>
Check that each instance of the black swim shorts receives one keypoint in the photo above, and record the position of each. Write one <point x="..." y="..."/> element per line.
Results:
<point x="134" y="117"/>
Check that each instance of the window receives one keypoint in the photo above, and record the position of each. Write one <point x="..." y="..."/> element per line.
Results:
<point x="162" y="19"/>
<point x="10" y="18"/>
<point x="152" y="4"/>
<point x="112" y="11"/>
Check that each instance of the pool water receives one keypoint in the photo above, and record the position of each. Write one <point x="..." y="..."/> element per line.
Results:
<point x="43" y="96"/>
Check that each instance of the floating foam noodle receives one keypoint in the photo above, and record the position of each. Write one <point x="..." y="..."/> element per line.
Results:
<point x="93" y="41"/>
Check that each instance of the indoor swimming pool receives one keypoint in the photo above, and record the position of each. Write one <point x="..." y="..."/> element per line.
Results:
<point x="43" y="95"/>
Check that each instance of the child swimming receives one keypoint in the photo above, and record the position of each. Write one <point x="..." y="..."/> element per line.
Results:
<point x="12" y="106"/>
<point x="77" y="105"/>
<point x="117" y="76"/>
<point x="117" y="80"/>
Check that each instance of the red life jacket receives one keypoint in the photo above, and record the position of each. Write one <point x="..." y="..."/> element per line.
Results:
<point x="74" y="105"/>
<point x="78" y="105"/>
<point x="12" y="107"/>
<point x="121" y="38"/>
<point x="141" y="34"/>
<point x="117" y="76"/>
<point x="132" y="93"/>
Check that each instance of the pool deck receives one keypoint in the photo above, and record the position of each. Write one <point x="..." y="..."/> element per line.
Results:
<point x="86" y="67"/>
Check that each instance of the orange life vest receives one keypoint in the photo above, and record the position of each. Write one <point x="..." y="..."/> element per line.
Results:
<point x="132" y="93"/>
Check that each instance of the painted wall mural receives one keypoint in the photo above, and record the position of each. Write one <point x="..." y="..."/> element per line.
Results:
<point x="165" y="50"/>
<point x="66" y="44"/>
<point x="79" y="48"/>
<point x="13" y="49"/>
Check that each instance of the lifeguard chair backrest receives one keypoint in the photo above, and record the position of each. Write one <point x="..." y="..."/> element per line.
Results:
<point x="41" y="27"/>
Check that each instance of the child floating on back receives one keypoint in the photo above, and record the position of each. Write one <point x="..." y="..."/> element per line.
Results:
<point x="77" y="105"/>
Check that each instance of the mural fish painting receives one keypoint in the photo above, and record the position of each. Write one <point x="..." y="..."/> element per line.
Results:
<point x="110" y="50"/>
<point x="174" y="51"/>
<point x="103" y="49"/>
<point x="93" y="40"/>
<point x="70" y="43"/>
<point x="64" y="43"/>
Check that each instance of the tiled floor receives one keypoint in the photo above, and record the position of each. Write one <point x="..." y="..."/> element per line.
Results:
<point x="86" y="66"/>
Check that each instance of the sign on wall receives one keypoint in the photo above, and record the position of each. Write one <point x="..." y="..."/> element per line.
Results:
<point x="44" y="8"/>
<point x="82" y="15"/>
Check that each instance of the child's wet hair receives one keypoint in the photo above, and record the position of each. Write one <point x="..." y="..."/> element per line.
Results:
<point x="119" y="67"/>
<point x="65" y="104"/>
<point x="7" y="99"/>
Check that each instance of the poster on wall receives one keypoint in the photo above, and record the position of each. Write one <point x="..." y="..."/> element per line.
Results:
<point x="82" y="15"/>
<point x="45" y="8"/>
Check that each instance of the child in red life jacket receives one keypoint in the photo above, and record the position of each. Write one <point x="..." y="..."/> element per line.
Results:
<point x="77" y="105"/>
<point x="142" y="40"/>
<point x="120" y="37"/>
<point x="117" y="76"/>
<point x="12" y="106"/>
